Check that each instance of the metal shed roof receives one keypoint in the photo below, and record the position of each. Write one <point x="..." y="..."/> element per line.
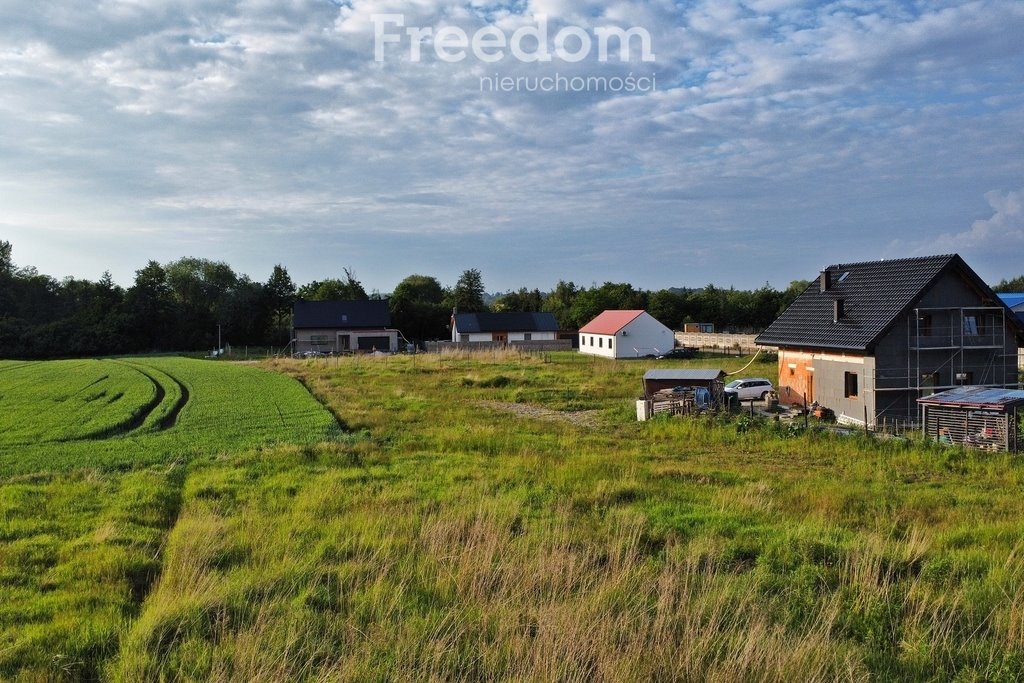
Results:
<point x="1013" y="299"/>
<point x="699" y="374"/>
<point x="977" y="397"/>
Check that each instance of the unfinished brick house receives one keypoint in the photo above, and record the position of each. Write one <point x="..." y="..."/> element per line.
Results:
<point x="868" y="339"/>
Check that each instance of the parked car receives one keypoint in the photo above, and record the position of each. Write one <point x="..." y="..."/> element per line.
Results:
<point x="680" y="352"/>
<point x="750" y="388"/>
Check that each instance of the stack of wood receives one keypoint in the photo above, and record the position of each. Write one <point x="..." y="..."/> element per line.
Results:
<point x="676" y="401"/>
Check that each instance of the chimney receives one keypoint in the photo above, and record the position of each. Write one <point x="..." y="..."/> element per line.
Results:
<point x="825" y="280"/>
<point x="838" y="313"/>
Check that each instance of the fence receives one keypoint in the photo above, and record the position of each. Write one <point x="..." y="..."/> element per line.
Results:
<point x="525" y="346"/>
<point x="721" y="341"/>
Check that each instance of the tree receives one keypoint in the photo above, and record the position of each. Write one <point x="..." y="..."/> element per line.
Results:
<point x="280" y="292"/>
<point x="245" y="314"/>
<point x="789" y="295"/>
<point x="200" y="289"/>
<point x="522" y="301"/>
<point x="6" y="264"/>
<point x="560" y="301"/>
<point x="668" y="307"/>
<point x="151" y="308"/>
<point x="333" y="289"/>
<point x="609" y="296"/>
<point x="468" y="294"/>
<point x="1014" y="285"/>
<point x="418" y="308"/>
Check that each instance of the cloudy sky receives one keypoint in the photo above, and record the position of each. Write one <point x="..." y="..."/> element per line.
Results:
<point x="773" y="137"/>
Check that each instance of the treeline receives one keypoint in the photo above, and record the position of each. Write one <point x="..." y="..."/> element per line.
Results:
<point x="194" y="303"/>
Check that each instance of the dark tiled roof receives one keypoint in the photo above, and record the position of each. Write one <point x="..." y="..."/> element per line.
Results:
<point x="505" y="322"/>
<point x="348" y="315"/>
<point x="875" y="295"/>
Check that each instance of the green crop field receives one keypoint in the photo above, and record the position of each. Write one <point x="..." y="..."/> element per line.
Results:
<point x="66" y="414"/>
<point x="489" y="517"/>
<point x="84" y="513"/>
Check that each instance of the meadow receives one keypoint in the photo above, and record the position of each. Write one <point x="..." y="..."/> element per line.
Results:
<point x="493" y="517"/>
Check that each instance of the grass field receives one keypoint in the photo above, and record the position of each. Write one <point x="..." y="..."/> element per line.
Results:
<point x="496" y="518"/>
<point x="128" y="412"/>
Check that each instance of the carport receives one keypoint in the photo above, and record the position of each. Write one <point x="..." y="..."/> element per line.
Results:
<point x="976" y="417"/>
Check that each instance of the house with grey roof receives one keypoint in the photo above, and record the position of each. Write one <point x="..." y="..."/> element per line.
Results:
<point x="505" y="327"/>
<point x="343" y="326"/>
<point x="868" y="339"/>
<point x="660" y="379"/>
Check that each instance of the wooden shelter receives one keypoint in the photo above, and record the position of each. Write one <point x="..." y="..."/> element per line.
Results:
<point x="680" y="392"/>
<point x="666" y="379"/>
<point x="976" y="417"/>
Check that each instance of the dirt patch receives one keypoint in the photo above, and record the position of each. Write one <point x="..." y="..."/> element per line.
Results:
<point x="579" y="418"/>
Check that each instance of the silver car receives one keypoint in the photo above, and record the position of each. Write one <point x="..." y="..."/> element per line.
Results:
<point x="750" y="388"/>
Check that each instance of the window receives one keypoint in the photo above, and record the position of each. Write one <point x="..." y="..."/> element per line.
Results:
<point x="924" y="325"/>
<point x="850" y="380"/>
<point x="591" y="341"/>
<point x="965" y="378"/>
<point x="600" y="342"/>
<point x="974" y="325"/>
<point x="527" y="336"/>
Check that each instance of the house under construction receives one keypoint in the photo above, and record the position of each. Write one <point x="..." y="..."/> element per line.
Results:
<point x="868" y="339"/>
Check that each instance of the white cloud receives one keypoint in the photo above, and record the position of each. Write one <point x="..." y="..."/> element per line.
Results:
<point x="1003" y="231"/>
<point x="837" y="124"/>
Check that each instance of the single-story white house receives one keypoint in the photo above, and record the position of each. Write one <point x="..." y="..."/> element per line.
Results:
<point x="503" y="328"/>
<point x="625" y="334"/>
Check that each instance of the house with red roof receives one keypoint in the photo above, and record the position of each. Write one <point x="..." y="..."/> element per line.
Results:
<point x="625" y="334"/>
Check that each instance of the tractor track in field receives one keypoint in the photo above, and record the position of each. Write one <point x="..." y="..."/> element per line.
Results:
<point x="171" y="418"/>
<point x="579" y="418"/>
<point x="138" y="418"/>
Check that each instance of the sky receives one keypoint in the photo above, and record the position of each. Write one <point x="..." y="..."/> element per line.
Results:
<point x="761" y="140"/>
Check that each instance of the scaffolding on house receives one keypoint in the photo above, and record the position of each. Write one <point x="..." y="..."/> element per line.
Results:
<point x="947" y="347"/>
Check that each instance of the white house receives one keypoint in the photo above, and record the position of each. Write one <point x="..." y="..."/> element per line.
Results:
<point x="504" y="327"/>
<point x="625" y="334"/>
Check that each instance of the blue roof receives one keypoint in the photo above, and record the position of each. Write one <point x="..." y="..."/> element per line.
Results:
<point x="1013" y="300"/>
